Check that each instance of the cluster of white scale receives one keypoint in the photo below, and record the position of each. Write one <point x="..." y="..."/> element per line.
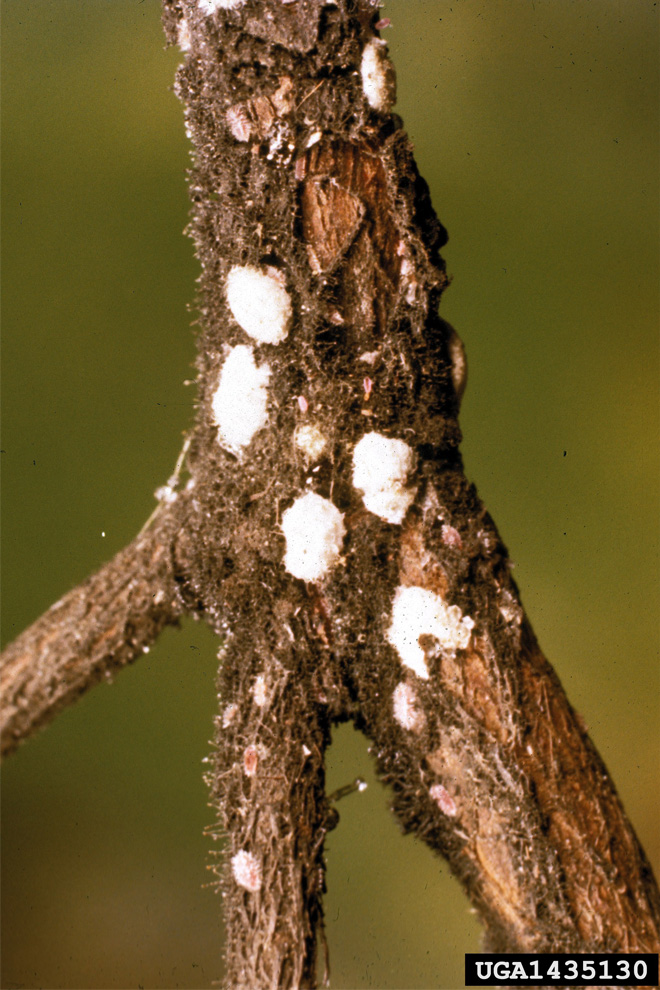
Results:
<point x="313" y="527"/>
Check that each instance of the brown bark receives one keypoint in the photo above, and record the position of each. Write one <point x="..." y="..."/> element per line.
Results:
<point x="91" y="633"/>
<point x="298" y="173"/>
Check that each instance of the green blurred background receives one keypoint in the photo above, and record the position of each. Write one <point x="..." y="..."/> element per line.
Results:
<point x="536" y="124"/>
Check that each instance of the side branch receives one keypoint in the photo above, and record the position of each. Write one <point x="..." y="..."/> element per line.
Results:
<point x="489" y="764"/>
<point x="96" y="629"/>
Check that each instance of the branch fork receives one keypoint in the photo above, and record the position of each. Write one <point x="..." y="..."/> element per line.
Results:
<point x="328" y="524"/>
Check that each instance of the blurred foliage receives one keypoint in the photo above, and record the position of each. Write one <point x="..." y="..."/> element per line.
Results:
<point x="535" y="124"/>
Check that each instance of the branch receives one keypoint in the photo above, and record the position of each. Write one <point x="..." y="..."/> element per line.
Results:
<point x="95" y="630"/>
<point x="329" y="527"/>
<point x="268" y="781"/>
<point x="493" y="768"/>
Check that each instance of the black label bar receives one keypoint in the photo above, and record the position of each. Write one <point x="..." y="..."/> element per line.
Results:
<point x="599" y="969"/>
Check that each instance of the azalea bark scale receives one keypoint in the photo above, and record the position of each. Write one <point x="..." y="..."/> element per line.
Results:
<point x="299" y="176"/>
